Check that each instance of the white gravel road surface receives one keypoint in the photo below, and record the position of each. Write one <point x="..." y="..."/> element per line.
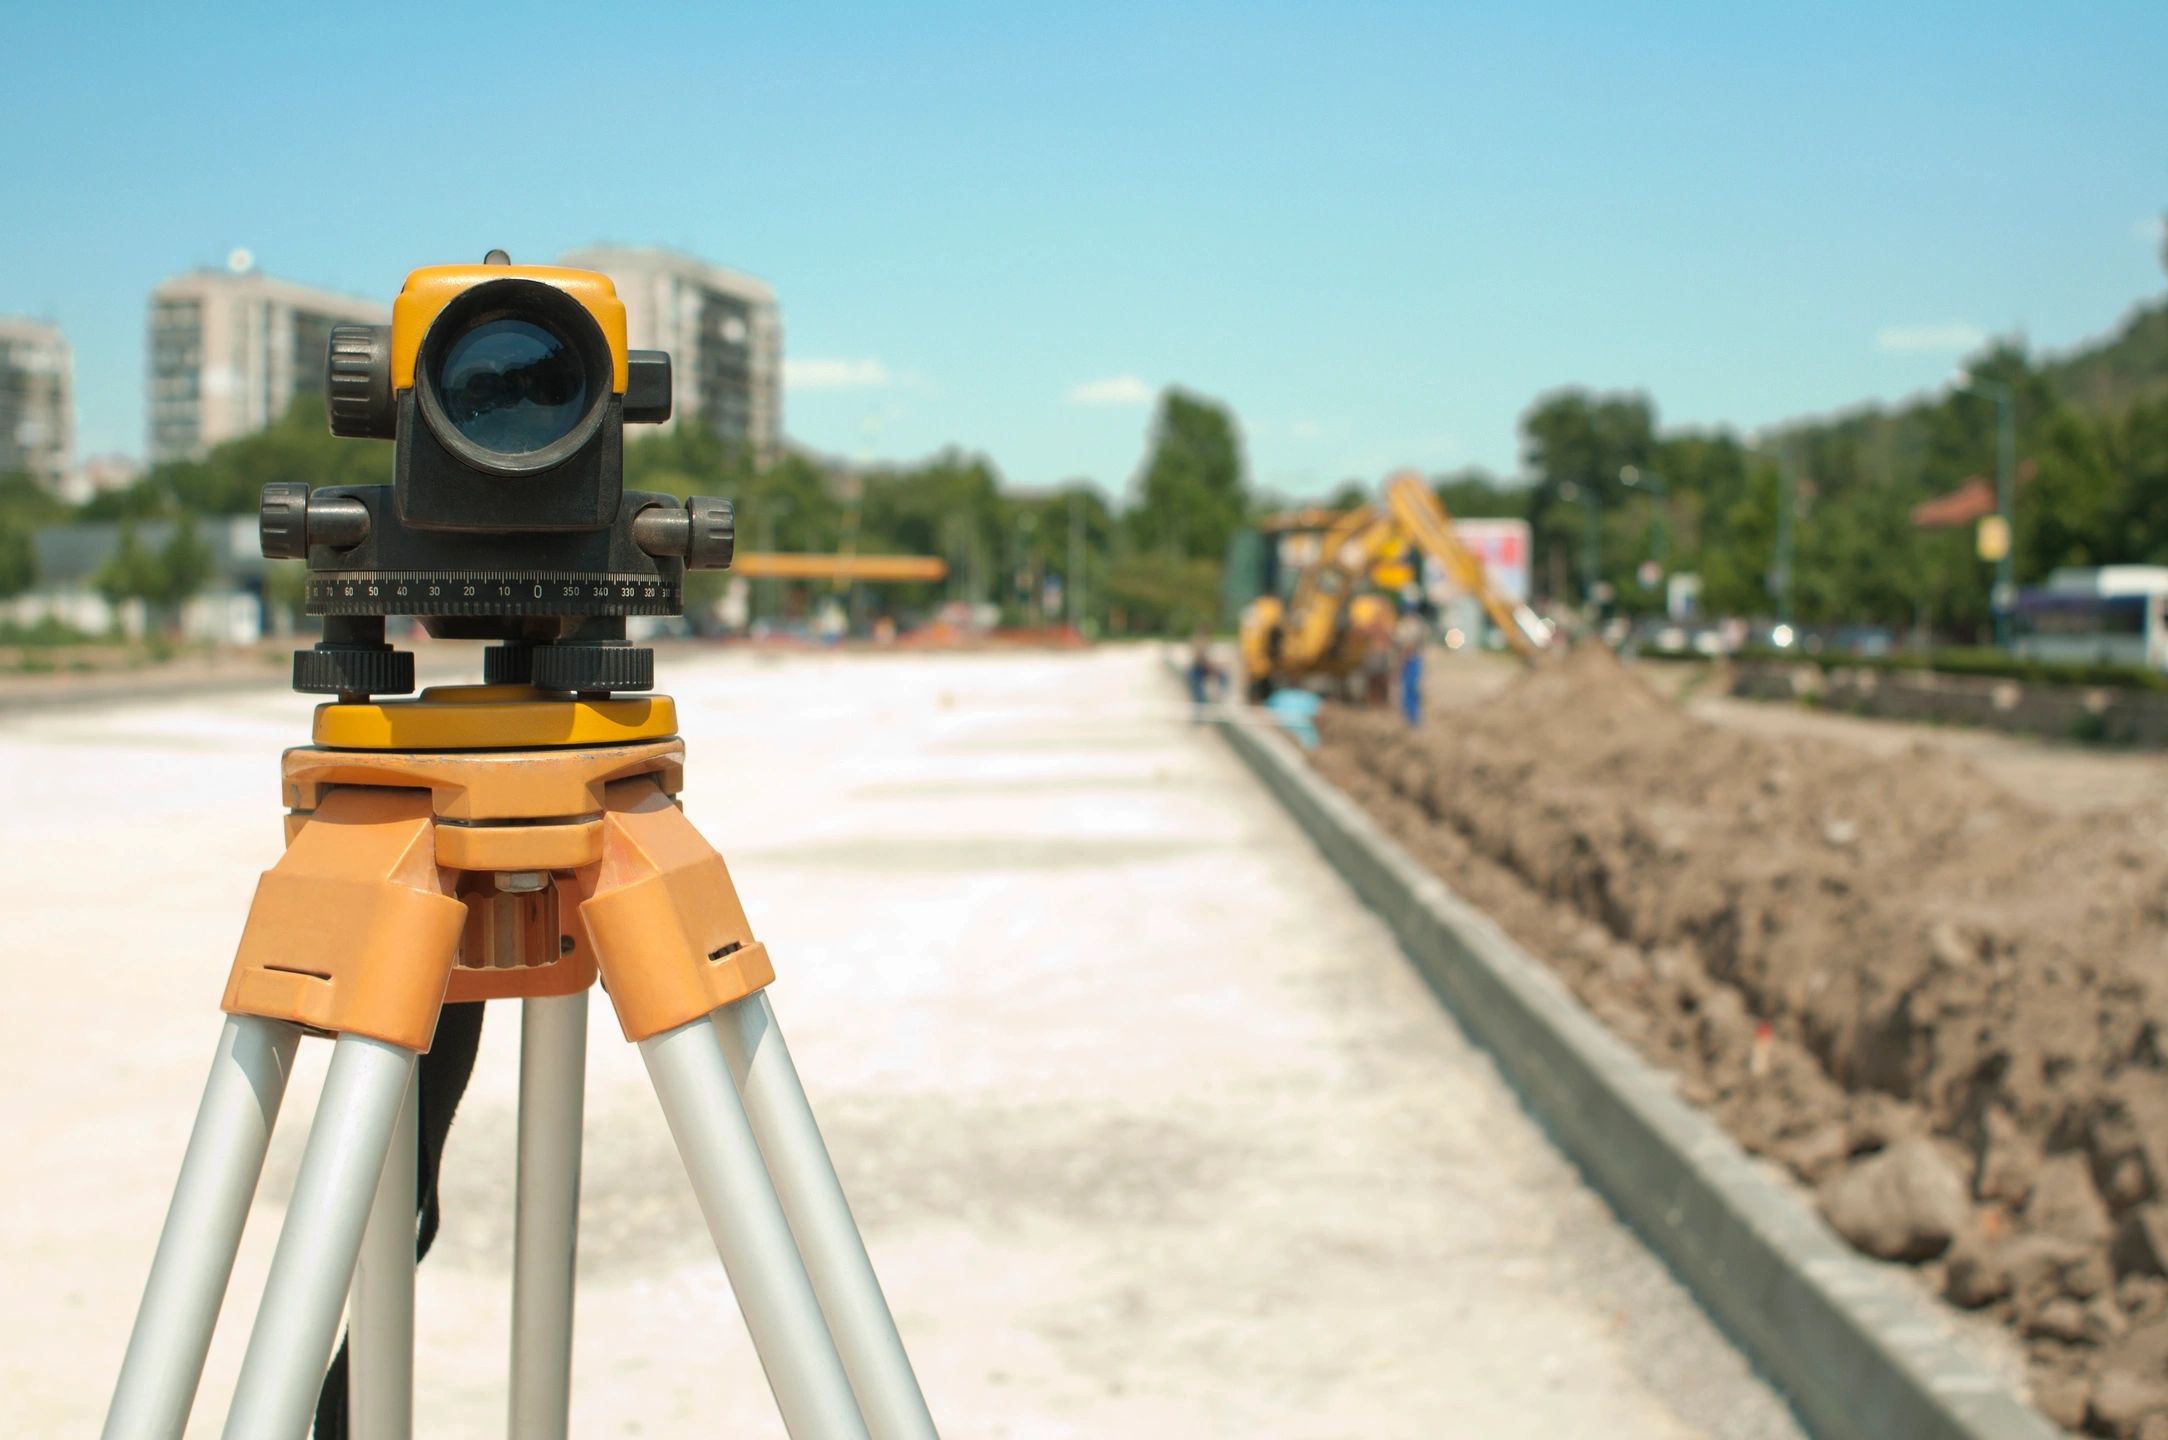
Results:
<point x="1151" y="1129"/>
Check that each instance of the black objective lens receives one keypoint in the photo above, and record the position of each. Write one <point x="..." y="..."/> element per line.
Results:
<point x="512" y="386"/>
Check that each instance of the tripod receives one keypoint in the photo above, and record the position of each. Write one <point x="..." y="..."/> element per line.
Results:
<point x="482" y="843"/>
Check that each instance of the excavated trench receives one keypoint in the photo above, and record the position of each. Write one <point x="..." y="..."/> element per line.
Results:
<point x="1939" y="1005"/>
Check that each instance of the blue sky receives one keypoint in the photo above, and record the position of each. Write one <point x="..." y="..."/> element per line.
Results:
<point x="1376" y="231"/>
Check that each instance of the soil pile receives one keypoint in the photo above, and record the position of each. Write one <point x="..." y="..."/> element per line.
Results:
<point x="1938" y="1004"/>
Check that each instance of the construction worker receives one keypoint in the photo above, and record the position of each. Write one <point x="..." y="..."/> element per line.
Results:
<point x="1409" y="635"/>
<point x="1203" y="673"/>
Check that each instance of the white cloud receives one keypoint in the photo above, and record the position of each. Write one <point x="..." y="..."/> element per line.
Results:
<point x="1955" y="337"/>
<point x="1114" y="390"/>
<point x="809" y="374"/>
<point x="2153" y="230"/>
<point x="1306" y="430"/>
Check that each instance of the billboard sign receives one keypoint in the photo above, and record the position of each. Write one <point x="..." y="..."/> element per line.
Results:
<point x="1504" y="547"/>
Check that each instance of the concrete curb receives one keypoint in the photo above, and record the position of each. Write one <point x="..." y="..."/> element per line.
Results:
<point x="1860" y="1356"/>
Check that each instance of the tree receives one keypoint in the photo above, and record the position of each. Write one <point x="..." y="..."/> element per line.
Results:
<point x="1475" y="492"/>
<point x="230" y="479"/>
<point x="1576" y="444"/>
<point x="184" y="564"/>
<point x="1190" y="494"/>
<point x="127" y="573"/>
<point x="25" y="505"/>
<point x="1157" y="592"/>
<point x="163" y="579"/>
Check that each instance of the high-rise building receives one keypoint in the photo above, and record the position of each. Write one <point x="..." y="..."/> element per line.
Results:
<point x="229" y="350"/>
<point x="724" y="334"/>
<point x="37" y="402"/>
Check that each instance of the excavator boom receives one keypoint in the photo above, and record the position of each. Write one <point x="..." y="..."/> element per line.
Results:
<point x="1417" y="507"/>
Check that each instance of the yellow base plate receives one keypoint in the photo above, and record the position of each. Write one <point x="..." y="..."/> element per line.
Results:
<point x="493" y="717"/>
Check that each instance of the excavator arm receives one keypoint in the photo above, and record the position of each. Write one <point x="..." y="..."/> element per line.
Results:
<point x="1417" y="509"/>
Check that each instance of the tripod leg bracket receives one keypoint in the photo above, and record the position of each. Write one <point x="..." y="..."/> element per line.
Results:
<point x="353" y="931"/>
<point x="662" y="917"/>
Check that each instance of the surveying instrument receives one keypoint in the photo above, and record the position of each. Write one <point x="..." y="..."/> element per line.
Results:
<point x="516" y="839"/>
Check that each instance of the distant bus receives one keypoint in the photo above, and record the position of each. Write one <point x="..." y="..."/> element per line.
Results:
<point x="2114" y="615"/>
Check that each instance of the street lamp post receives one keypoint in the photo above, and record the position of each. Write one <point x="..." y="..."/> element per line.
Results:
<point x="2005" y="594"/>
<point x="1026" y="526"/>
<point x="764" y="591"/>
<point x="1075" y="586"/>
<point x="1591" y="536"/>
<point x="1633" y="477"/>
<point x="1787" y="515"/>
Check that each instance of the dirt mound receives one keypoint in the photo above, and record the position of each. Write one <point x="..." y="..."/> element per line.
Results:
<point x="1837" y="953"/>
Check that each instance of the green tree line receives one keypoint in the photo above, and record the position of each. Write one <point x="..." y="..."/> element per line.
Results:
<point x="1605" y="487"/>
<point x="1146" y="568"/>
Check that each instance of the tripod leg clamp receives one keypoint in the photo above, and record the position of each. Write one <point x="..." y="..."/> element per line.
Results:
<point x="353" y="931"/>
<point x="664" y="921"/>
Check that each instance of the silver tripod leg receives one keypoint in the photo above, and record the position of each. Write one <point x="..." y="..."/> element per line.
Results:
<point x="380" y="1318"/>
<point x="746" y="1222"/>
<point x="820" y="1219"/>
<point x="188" y="1278"/>
<point x="275" y="1397"/>
<point x="552" y="1085"/>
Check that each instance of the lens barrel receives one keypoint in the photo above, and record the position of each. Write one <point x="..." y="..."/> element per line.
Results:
<point x="513" y="377"/>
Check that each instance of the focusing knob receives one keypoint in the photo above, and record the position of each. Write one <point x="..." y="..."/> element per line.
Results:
<point x="594" y="667"/>
<point x="357" y="383"/>
<point x="714" y="534"/>
<point x="282" y="520"/>
<point x="354" y="669"/>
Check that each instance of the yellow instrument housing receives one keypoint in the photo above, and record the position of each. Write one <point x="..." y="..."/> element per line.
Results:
<point x="428" y="290"/>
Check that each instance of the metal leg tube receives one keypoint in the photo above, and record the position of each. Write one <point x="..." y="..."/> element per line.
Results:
<point x="275" y="1397"/>
<point x="820" y="1219"/>
<point x="708" y="1122"/>
<point x="380" y="1322"/>
<point x="552" y="1086"/>
<point x="202" y="1234"/>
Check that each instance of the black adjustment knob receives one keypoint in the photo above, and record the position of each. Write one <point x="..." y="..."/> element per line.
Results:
<point x="357" y="383"/>
<point x="282" y="520"/>
<point x="511" y="664"/>
<point x="714" y="535"/>
<point x="354" y="670"/>
<point x="594" y="667"/>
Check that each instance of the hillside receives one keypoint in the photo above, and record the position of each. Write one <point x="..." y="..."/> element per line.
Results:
<point x="2111" y="375"/>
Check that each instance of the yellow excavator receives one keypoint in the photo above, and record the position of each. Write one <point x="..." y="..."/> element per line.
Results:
<point x="1336" y="615"/>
